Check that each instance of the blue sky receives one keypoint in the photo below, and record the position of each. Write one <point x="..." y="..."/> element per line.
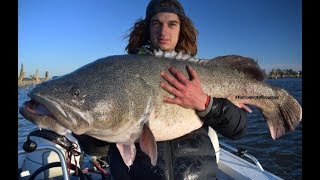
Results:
<point x="60" y="36"/>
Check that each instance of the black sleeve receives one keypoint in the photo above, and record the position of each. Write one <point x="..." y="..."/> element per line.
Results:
<point x="226" y="118"/>
<point x="91" y="145"/>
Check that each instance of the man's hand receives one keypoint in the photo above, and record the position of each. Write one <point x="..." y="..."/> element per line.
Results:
<point x="187" y="92"/>
<point x="244" y="107"/>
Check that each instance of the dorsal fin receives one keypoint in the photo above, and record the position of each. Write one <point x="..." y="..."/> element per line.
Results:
<point x="244" y="64"/>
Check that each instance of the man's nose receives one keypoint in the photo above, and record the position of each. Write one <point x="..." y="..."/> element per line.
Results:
<point x="164" y="29"/>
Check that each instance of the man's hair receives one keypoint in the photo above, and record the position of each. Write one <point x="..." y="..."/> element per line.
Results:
<point x="139" y="35"/>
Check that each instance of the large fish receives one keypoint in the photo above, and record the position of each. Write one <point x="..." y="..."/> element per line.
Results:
<point x="118" y="99"/>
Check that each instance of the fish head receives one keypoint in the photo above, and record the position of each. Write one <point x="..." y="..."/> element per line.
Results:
<point x="98" y="99"/>
<point x="58" y="105"/>
<point x="74" y="102"/>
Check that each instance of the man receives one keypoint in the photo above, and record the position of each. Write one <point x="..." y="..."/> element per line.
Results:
<point x="167" y="29"/>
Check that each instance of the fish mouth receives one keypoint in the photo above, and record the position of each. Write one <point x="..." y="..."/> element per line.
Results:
<point x="35" y="110"/>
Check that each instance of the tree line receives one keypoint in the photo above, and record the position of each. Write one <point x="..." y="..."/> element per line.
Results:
<point x="282" y="73"/>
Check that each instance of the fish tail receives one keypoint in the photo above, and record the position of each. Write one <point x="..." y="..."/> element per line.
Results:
<point x="283" y="114"/>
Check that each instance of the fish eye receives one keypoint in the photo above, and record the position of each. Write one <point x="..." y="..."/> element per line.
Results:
<point x="76" y="92"/>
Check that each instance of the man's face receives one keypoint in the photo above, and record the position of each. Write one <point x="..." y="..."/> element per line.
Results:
<point x="164" y="31"/>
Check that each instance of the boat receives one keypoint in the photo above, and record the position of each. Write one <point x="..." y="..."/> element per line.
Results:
<point x="47" y="155"/>
<point x="233" y="166"/>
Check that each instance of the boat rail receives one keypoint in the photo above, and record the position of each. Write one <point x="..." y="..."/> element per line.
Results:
<point x="257" y="163"/>
<point x="60" y="154"/>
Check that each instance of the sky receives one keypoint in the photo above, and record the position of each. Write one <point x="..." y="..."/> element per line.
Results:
<point x="60" y="36"/>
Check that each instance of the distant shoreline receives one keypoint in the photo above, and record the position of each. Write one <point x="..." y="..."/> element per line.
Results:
<point x="26" y="83"/>
<point x="285" y="76"/>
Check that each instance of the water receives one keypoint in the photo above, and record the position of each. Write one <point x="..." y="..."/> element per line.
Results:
<point x="282" y="157"/>
<point x="24" y="126"/>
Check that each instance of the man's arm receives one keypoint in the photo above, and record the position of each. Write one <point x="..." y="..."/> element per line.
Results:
<point x="225" y="117"/>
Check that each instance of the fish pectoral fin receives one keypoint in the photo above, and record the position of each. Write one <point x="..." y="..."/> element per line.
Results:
<point x="148" y="144"/>
<point x="127" y="152"/>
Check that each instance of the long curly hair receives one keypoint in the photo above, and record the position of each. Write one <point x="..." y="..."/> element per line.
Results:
<point x="187" y="43"/>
